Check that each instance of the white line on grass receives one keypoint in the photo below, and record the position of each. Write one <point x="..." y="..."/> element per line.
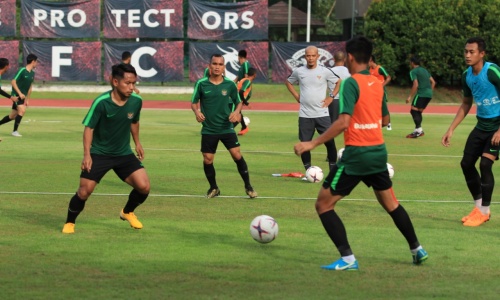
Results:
<point x="231" y="197"/>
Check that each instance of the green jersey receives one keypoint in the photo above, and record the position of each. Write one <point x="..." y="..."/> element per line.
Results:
<point x="24" y="79"/>
<point x="217" y="101"/>
<point x="244" y="70"/>
<point x="111" y="124"/>
<point x="424" y="81"/>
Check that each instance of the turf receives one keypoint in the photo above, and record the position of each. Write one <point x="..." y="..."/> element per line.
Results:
<point x="194" y="248"/>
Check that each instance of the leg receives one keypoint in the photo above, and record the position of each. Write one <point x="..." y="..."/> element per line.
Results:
<point x="481" y="213"/>
<point x="243" y="170"/>
<point x="306" y="132"/>
<point x="139" y="180"/>
<point x="209" y="169"/>
<point x="77" y="203"/>
<point x="9" y="117"/>
<point x="21" y="109"/>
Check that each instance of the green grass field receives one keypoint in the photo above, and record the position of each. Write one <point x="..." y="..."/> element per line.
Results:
<point x="195" y="248"/>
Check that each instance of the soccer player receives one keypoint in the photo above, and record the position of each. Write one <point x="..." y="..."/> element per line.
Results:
<point x="314" y="81"/>
<point x="480" y="84"/>
<point x="244" y="65"/>
<point x="245" y="92"/>
<point x="109" y="123"/>
<point x="363" y="112"/>
<point x="420" y="95"/>
<point x="220" y="107"/>
<point x="382" y="75"/>
<point x="21" y="88"/>
<point x="4" y="67"/>
<point x="126" y="58"/>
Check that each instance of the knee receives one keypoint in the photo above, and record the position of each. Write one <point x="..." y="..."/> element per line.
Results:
<point x="466" y="163"/>
<point x="485" y="164"/>
<point x="143" y="187"/>
<point x="84" y="193"/>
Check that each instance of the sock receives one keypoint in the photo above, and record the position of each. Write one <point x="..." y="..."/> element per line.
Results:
<point x="472" y="178"/>
<point x="243" y="170"/>
<point x="5" y="119"/>
<point x="17" y="122"/>
<point x="75" y="207"/>
<point x="306" y="159"/>
<point x="414" y="251"/>
<point x="417" y="118"/>
<point x="210" y="174"/>
<point x="134" y="199"/>
<point x="487" y="183"/>
<point x="243" y="124"/>
<point x="403" y="223"/>
<point x="349" y="258"/>
<point x="478" y="202"/>
<point x="336" y="231"/>
<point x="419" y="129"/>
<point x="331" y="151"/>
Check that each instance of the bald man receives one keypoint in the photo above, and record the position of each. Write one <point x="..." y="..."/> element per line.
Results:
<point x="341" y="72"/>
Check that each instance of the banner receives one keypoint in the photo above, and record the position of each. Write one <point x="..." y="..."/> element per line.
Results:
<point x="66" y="61"/>
<point x="7" y="17"/>
<point x="288" y="56"/>
<point x="10" y="50"/>
<point x="200" y="54"/>
<point x="228" y="21"/>
<point x="153" y="61"/>
<point x="49" y="19"/>
<point x="143" y="19"/>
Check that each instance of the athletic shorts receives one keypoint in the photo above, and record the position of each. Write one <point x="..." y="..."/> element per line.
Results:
<point x="307" y="126"/>
<point x="420" y="102"/>
<point x="209" y="142"/>
<point x="123" y="166"/>
<point x="479" y="142"/>
<point x="333" y="110"/>
<point x="18" y="102"/>
<point x="342" y="184"/>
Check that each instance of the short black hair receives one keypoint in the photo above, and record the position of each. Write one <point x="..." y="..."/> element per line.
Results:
<point x="3" y="62"/>
<point x="30" y="58"/>
<point x="215" y="55"/>
<point x="481" y="44"/>
<point x="242" y="53"/>
<point x="118" y="71"/>
<point x="415" y="60"/>
<point x="360" y="48"/>
<point x="126" y="55"/>
<point x="251" y="72"/>
<point x="373" y="58"/>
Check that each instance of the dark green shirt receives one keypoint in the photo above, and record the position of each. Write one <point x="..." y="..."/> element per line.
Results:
<point x="111" y="124"/>
<point x="24" y="79"/>
<point x="424" y="81"/>
<point x="216" y="103"/>
<point x="244" y="70"/>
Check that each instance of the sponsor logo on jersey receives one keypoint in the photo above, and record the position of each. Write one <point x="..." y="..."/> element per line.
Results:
<point x="366" y="126"/>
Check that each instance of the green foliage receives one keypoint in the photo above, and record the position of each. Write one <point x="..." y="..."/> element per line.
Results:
<point x="435" y="30"/>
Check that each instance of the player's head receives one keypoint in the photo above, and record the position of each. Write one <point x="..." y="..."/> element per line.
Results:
<point x="31" y="58"/>
<point x="123" y="79"/>
<point x="359" y="50"/>
<point x="252" y="73"/>
<point x="415" y="60"/>
<point x="373" y="61"/>
<point x="339" y="57"/>
<point x="217" y="65"/>
<point x="4" y="65"/>
<point x="242" y="53"/>
<point x="311" y="55"/>
<point x="126" y="56"/>
<point x="475" y="50"/>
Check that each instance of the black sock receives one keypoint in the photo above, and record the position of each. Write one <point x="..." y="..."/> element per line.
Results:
<point x="243" y="124"/>
<point x="210" y="174"/>
<point x="306" y="159"/>
<point x="336" y="230"/>
<point x="403" y="223"/>
<point x="417" y="118"/>
<point x="472" y="178"/>
<point x="5" y="119"/>
<point x="75" y="207"/>
<point x="243" y="170"/>
<point x="487" y="180"/>
<point x="17" y="122"/>
<point x="134" y="199"/>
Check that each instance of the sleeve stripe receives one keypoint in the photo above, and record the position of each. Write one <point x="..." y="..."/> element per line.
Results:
<point x="19" y="73"/>
<point x="87" y="119"/>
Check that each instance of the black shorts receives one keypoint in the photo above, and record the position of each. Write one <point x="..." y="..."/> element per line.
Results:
<point x="209" y="142"/>
<point x="18" y="102"/>
<point x="420" y="102"/>
<point x="122" y="165"/>
<point x="307" y="126"/>
<point x="342" y="184"/>
<point x="479" y="142"/>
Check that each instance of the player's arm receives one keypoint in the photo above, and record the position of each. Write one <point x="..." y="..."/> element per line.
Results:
<point x="292" y="78"/>
<point x="87" y="142"/>
<point x="195" y="106"/>
<point x="461" y="113"/>
<point x="134" y="131"/>
<point x="413" y="91"/>
<point x="16" y="88"/>
<point x="235" y="116"/>
<point x="28" y="96"/>
<point x="433" y="83"/>
<point x="4" y="93"/>
<point x="387" y="77"/>
<point x="494" y="77"/>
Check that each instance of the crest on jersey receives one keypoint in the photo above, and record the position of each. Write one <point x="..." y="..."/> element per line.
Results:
<point x="130" y="115"/>
<point x="224" y="92"/>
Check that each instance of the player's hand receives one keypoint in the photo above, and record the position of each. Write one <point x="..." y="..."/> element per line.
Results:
<point x="302" y="147"/>
<point x="327" y="101"/>
<point x="200" y="117"/>
<point x="408" y="100"/>
<point x="495" y="140"/>
<point x="86" y="163"/>
<point x="235" y="117"/>
<point x="445" y="140"/>
<point x="140" y="151"/>
<point x="14" y="99"/>
<point x="21" y="96"/>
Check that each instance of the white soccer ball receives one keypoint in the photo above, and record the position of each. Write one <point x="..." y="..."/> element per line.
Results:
<point x="247" y="120"/>
<point x="264" y="229"/>
<point x="339" y="153"/>
<point x="314" y="174"/>
<point x="390" y="168"/>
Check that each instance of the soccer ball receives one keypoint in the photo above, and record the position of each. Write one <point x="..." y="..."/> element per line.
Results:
<point x="314" y="174"/>
<point x="390" y="168"/>
<point x="247" y="120"/>
<point x="264" y="229"/>
<point x="339" y="153"/>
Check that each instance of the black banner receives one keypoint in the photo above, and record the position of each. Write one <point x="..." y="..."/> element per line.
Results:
<point x="49" y="19"/>
<point x="228" y="21"/>
<point x="200" y="53"/>
<point x="153" y="61"/>
<point x="143" y="19"/>
<point x="66" y="61"/>
<point x="8" y="18"/>
<point x="10" y="50"/>
<point x="288" y="56"/>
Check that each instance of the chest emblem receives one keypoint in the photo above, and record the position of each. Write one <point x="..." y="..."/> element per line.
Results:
<point x="130" y="115"/>
<point x="224" y="92"/>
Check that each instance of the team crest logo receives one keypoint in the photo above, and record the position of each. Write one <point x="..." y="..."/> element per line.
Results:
<point x="224" y="92"/>
<point x="130" y="115"/>
<point x="319" y="77"/>
<point x="298" y="59"/>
